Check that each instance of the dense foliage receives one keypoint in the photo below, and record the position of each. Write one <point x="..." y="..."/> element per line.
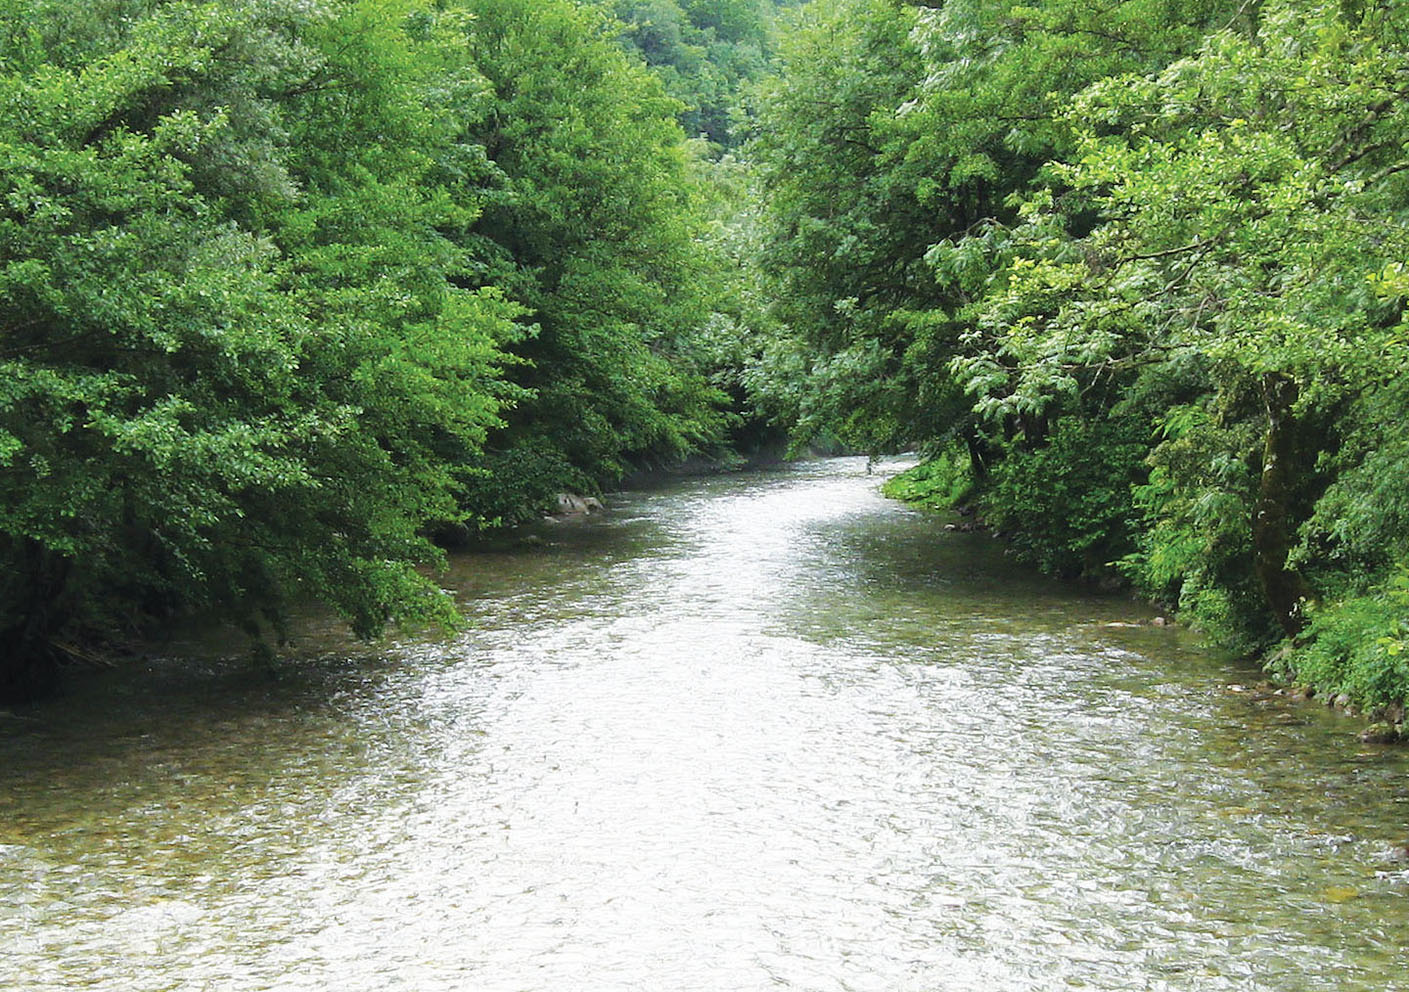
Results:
<point x="705" y="52"/>
<point x="283" y="285"/>
<point x="288" y="285"/>
<point x="596" y="225"/>
<point x="1143" y="264"/>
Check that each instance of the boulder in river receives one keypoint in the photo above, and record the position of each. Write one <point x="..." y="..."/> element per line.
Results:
<point x="570" y="505"/>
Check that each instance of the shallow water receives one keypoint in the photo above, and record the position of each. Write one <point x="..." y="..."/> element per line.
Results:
<point x="758" y="732"/>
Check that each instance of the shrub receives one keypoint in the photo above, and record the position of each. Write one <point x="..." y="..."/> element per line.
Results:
<point x="941" y="482"/>
<point x="1068" y="504"/>
<point x="1359" y="646"/>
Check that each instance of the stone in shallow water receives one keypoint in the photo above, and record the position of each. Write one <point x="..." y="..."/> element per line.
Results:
<point x="1382" y="733"/>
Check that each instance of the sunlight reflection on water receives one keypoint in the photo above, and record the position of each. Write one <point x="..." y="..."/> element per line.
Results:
<point x="762" y="732"/>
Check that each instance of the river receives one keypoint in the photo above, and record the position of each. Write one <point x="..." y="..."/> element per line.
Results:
<point x="768" y="731"/>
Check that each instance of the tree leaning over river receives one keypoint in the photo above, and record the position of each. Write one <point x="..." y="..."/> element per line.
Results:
<point x="258" y="326"/>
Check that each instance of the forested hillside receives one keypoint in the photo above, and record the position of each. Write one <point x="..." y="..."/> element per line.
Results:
<point x="706" y="52"/>
<point x="1133" y="274"/>
<point x="287" y="287"/>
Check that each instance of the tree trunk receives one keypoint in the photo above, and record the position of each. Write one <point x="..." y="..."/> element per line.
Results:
<point x="1273" y="527"/>
<point x="978" y="454"/>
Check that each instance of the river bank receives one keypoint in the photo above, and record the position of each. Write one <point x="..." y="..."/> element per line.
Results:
<point x="1300" y="670"/>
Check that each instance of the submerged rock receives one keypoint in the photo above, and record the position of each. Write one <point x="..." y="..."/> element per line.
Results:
<point x="1336" y="894"/>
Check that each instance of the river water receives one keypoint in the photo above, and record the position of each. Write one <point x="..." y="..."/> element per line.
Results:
<point x="759" y="732"/>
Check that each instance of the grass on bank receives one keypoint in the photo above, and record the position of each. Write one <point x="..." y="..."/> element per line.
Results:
<point x="939" y="483"/>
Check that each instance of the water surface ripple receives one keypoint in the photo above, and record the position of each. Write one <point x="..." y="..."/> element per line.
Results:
<point x="762" y="732"/>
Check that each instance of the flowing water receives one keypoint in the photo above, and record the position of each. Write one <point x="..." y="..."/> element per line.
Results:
<point x="750" y="733"/>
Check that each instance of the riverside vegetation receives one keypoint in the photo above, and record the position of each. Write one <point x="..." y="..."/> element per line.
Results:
<point x="286" y="288"/>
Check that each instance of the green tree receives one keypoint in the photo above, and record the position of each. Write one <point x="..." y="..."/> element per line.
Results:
<point x="843" y="233"/>
<point x="895" y="148"/>
<point x="595" y="227"/>
<point x="704" y="53"/>
<point x="1248" y="202"/>
<point x="203" y="408"/>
